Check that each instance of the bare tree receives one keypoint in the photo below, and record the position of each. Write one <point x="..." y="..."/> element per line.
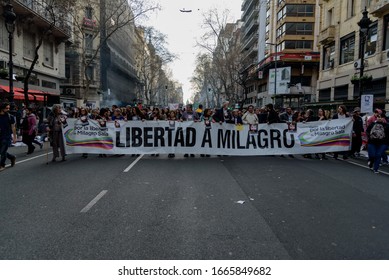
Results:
<point x="152" y="60"/>
<point x="54" y="13"/>
<point x="222" y="40"/>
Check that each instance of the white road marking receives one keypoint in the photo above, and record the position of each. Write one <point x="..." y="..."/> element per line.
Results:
<point x="28" y="159"/>
<point x="93" y="202"/>
<point x="366" y="167"/>
<point x="133" y="164"/>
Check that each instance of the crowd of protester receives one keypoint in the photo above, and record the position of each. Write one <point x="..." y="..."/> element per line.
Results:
<point x="30" y="124"/>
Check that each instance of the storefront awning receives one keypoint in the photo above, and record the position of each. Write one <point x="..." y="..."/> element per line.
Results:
<point x="19" y="94"/>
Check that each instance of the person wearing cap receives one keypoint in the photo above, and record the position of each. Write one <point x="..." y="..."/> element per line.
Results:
<point x="356" y="141"/>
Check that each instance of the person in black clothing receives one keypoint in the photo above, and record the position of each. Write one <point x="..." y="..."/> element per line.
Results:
<point x="272" y="116"/>
<point x="356" y="141"/>
<point x="7" y="128"/>
<point x="262" y="115"/>
<point x="223" y="114"/>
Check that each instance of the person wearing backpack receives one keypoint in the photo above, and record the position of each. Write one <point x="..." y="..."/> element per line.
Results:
<point x="377" y="138"/>
<point x="7" y="129"/>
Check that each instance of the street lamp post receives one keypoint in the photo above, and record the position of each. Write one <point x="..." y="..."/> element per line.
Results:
<point x="275" y="70"/>
<point x="10" y="17"/>
<point x="364" y="25"/>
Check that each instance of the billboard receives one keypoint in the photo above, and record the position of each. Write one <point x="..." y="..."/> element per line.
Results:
<point x="282" y="78"/>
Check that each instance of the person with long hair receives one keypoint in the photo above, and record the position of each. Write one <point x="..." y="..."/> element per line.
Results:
<point x="55" y="121"/>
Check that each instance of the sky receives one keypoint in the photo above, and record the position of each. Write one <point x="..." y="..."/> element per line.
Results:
<point x="182" y="30"/>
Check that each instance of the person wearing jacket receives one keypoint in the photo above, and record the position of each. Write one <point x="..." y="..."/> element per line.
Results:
<point x="356" y="141"/>
<point x="29" y="128"/>
<point x="55" y="120"/>
<point x="7" y="131"/>
<point x="376" y="144"/>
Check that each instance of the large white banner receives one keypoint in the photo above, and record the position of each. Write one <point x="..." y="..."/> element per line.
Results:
<point x="163" y="137"/>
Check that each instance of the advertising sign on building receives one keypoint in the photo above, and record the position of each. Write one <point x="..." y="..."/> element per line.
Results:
<point x="367" y="103"/>
<point x="278" y="80"/>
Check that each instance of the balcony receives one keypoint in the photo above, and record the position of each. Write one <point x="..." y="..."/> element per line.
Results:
<point x="379" y="8"/>
<point x="248" y="44"/>
<point x="327" y="35"/>
<point x="34" y="12"/>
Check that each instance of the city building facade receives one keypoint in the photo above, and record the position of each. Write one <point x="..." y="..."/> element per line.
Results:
<point x="32" y="21"/>
<point x="288" y="57"/>
<point x="341" y="43"/>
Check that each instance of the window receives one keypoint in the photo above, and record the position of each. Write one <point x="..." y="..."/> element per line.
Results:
<point x="325" y="94"/>
<point x="350" y="8"/>
<point x="295" y="28"/>
<point x="329" y="56"/>
<point x="68" y="73"/>
<point x="4" y="44"/>
<point x="28" y="45"/>
<point x="88" y="41"/>
<point x="371" y="40"/>
<point x="347" y="48"/>
<point x="330" y="17"/>
<point x="297" y="45"/>
<point x="90" y="73"/>
<point x="48" y="53"/>
<point x="341" y="93"/>
<point x="48" y="84"/>
<point x="386" y="32"/>
<point x="299" y="10"/>
<point x="88" y="12"/>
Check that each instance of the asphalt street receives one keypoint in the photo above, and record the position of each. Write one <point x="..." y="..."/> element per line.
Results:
<point x="147" y="207"/>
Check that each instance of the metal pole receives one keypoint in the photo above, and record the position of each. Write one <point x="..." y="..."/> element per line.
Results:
<point x="275" y="73"/>
<point x="10" y="65"/>
<point x="364" y="25"/>
<point x="362" y="65"/>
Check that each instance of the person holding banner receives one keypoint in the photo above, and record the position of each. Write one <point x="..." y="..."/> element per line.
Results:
<point x="223" y="114"/>
<point x="172" y="125"/>
<point x="250" y="117"/>
<point x="189" y="115"/>
<point x="341" y="114"/>
<point x="207" y="119"/>
<point x="272" y="116"/>
<point x="321" y="117"/>
<point x="83" y="118"/>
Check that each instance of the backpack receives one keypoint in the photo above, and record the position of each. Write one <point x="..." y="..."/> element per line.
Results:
<point x="377" y="132"/>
